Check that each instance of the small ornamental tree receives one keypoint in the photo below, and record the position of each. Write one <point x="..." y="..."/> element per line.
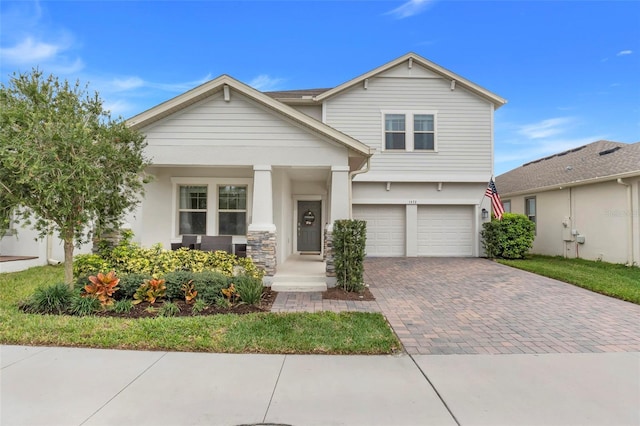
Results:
<point x="509" y="238"/>
<point x="349" y="238"/>
<point x="65" y="164"/>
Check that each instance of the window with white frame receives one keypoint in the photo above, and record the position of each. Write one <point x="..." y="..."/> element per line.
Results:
<point x="192" y="210"/>
<point x="530" y="208"/>
<point x="423" y="132"/>
<point x="394" y="131"/>
<point x="232" y="210"/>
<point x="410" y="131"/>
<point x="506" y="205"/>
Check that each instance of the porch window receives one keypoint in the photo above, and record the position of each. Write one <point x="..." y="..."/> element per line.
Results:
<point x="232" y="210"/>
<point x="394" y="131"/>
<point x="506" y="205"/>
<point x="192" y="211"/>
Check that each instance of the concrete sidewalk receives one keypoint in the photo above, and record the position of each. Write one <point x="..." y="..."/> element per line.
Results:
<point x="70" y="386"/>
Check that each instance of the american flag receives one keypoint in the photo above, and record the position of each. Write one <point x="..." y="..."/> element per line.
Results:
<point x="496" y="203"/>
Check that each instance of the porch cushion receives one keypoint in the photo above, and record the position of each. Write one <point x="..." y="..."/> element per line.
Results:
<point x="218" y="242"/>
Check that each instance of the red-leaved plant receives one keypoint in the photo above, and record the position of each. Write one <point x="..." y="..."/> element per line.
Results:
<point x="149" y="291"/>
<point x="102" y="287"/>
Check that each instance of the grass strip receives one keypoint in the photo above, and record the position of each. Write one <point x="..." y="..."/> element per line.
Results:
<point x="615" y="280"/>
<point x="278" y="333"/>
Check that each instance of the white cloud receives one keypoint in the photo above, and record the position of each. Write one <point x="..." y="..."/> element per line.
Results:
<point x="128" y="83"/>
<point x="29" y="51"/>
<point x="119" y="107"/>
<point x="410" y="8"/>
<point x="180" y="86"/>
<point x="546" y="128"/>
<point x="624" y="52"/>
<point x="265" y="83"/>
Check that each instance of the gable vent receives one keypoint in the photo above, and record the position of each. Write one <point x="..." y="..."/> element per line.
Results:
<point x="609" y="151"/>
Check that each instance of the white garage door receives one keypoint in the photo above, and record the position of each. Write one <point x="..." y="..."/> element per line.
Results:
<point x="385" y="229"/>
<point x="445" y="231"/>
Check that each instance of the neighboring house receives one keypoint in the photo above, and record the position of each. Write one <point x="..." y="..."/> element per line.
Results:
<point x="20" y="248"/>
<point x="584" y="201"/>
<point x="408" y="147"/>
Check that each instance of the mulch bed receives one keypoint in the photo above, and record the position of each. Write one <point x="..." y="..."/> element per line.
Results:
<point x="147" y="310"/>
<point x="337" y="293"/>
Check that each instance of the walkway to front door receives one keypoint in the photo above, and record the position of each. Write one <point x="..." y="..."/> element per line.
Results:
<point x="476" y="306"/>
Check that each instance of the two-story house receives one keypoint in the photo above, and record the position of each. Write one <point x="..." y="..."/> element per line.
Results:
<point x="408" y="147"/>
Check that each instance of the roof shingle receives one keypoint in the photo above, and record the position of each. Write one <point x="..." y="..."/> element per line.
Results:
<point x="595" y="160"/>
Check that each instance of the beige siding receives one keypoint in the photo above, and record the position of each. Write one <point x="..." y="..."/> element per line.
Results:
<point x="464" y="125"/>
<point x="239" y="132"/>
<point x="597" y="211"/>
<point x="313" y="111"/>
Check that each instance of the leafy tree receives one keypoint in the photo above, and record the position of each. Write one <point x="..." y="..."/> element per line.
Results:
<point x="509" y="238"/>
<point x="64" y="162"/>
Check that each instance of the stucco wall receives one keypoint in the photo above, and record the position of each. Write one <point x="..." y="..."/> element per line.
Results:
<point x="598" y="211"/>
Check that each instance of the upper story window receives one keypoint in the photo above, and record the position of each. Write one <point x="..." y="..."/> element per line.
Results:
<point x="394" y="131"/>
<point x="192" y="210"/>
<point x="506" y="205"/>
<point x="232" y="210"/>
<point x="410" y="131"/>
<point x="423" y="132"/>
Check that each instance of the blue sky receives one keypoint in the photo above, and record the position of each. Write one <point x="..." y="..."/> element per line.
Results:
<point x="569" y="69"/>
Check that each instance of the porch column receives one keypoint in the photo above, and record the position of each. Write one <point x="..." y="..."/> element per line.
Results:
<point x="340" y="209"/>
<point x="261" y="235"/>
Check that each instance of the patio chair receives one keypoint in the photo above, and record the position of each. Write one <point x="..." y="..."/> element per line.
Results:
<point x="240" y="250"/>
<point x="188" y="241"/>
<point x="217" y="242"/>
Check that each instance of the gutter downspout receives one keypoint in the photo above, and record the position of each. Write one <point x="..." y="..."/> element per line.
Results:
<point x="630" y="222"/>
<point x="50" y="260"/>
<point x="351" y="176"/>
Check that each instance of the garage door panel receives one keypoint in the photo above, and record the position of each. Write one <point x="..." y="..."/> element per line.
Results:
<point x="385" y="229"/>
<point x="445" y="231"/>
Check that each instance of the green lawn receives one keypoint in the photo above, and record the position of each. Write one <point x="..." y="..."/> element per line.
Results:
<point x="300" y="333"/>
<point x="619" y="281"/>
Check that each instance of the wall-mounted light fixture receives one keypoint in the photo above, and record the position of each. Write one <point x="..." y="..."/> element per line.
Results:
<point x="485" y="214"/>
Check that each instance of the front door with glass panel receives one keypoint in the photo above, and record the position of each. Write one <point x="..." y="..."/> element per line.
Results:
<point x="309" y="226"/>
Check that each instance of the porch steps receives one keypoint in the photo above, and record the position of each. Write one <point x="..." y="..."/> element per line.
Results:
<point x="299" y="283"/>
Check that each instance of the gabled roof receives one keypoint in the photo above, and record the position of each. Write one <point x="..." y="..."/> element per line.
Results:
<point x="296" y="94"/>
<point x="597" y="161"/>
<point x="417" y="59"/>
<point x="216" y="85"/>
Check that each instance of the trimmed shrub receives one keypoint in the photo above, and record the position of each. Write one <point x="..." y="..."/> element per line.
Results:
<point x="129" y="258"/>
<point x="174" y="282"/>
<point x="129" y="284"/>
<point x="209" y="285"/>
<point x="349" y="238"/>
<point x="85" y="265"/>
<point x="509" y="238"/>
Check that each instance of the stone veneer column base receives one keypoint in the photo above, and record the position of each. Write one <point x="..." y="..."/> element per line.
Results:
<point x="261" y="248"/>
<point x="328" y="253"/>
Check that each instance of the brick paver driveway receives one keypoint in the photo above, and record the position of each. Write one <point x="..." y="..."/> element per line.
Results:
<point x="476" y="306"/>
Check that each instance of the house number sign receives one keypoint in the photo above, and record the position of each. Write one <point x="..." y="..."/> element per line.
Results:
<point x="309" y="218"/>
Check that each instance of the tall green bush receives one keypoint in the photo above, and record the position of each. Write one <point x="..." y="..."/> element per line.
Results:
<point x="349" y="238"/>
<point x="509" y="238"/>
